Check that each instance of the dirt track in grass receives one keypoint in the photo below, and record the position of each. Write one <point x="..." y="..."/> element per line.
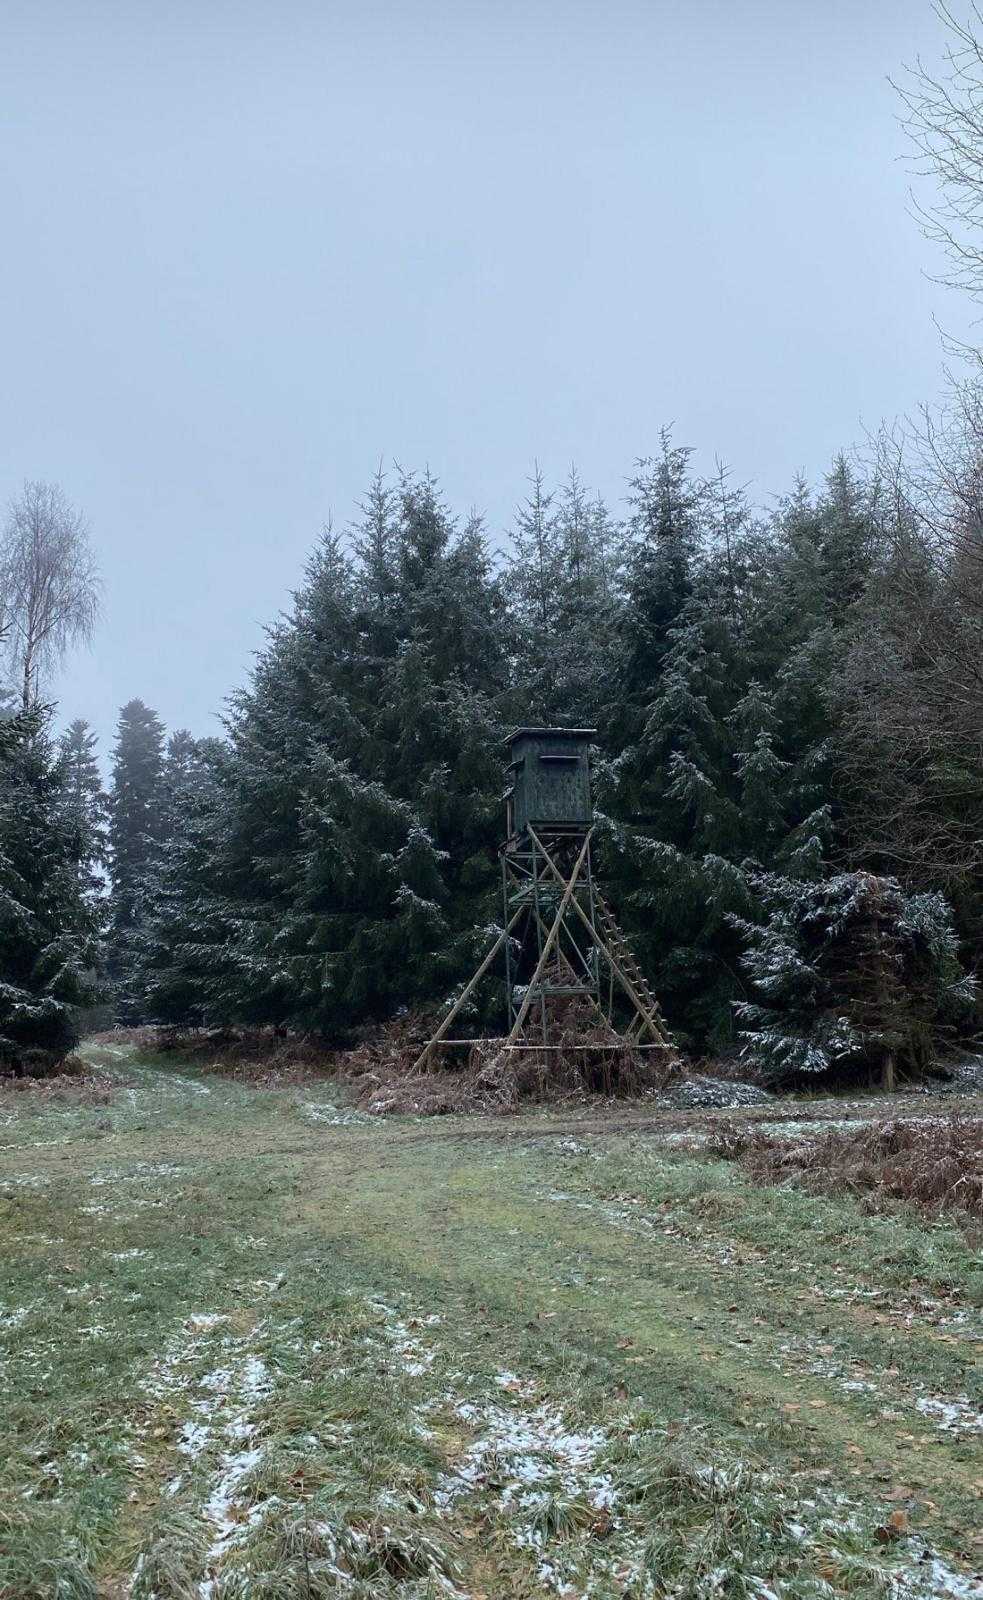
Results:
<point x="259" y="1345"/>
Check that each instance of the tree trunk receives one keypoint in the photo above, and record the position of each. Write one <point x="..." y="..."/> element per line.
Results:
<point x="28" y="674"/>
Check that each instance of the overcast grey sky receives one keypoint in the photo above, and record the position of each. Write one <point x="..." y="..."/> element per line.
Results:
<point x="251" y="249"/>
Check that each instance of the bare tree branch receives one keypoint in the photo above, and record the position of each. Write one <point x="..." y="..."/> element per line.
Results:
<point x="910" y="694"/>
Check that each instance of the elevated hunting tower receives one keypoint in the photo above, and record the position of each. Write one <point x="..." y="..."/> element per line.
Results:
<point x="568" y="967"/>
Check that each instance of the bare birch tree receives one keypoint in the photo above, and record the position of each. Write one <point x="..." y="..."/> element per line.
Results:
<point x="50" y="581"/>
<point x="943" y="116"/>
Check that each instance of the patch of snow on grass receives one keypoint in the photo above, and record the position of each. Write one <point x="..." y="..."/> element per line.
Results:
<point x="413" y="1356"/>
<point x="37" y="1144"/>
<point x="929" y="1578"/>
<point x="219" y="1434"/>
<point x="194" y="1437"/>
<point x="521" y="1449"/>
<point x="810" y="1128"/>
<point x="516" y="1385"/>
<point x="17" y="1316"/>
<point x="329" y="1115"/>
<point x="143" y="1171"/>
<point x="221" y="1506"/>
<point x="957" y="1415"/>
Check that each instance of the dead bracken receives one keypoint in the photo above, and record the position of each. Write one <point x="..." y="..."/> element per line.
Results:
<point x="935" y="1163"/>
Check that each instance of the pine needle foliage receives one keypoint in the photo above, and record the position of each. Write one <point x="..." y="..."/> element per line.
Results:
<point x="333" y="859"/>
<point x="852" y="977"/>
<point x="49" y="923"/>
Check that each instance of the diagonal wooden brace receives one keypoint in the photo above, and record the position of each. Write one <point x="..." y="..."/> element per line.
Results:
<point x="424" y="1056"/>
<point x="554" y="932"/>
<point x="649" y="1018"/>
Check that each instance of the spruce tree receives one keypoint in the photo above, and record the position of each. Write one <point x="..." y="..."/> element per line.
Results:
<point x="532" y="589"/>
<point x="850" y="976"/>
<point x="586" y="603"/>
<point x="664" y="535"/>
<point x="49" y="924"/>
<point x="562" y="584"/>
<point x="184" y="947"/>
<point x="135" y="827"/>
<point x="351" y="822"/>
<point x="84" y="799"/>
<point x="728" y="770"/>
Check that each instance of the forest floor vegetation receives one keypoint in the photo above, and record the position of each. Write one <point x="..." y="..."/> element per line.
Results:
<point x="260" y="1345"/>
<point x="931" y="1161"/>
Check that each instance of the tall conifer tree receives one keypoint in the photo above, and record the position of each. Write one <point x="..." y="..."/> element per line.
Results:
<point x="135" y="827"/>
<point x="49" y="924"/>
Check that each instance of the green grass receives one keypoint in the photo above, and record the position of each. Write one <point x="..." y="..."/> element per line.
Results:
<point x="253" y="1349"/>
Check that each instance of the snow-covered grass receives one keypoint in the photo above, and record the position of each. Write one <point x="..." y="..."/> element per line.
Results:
<point x="255" y="1354"/>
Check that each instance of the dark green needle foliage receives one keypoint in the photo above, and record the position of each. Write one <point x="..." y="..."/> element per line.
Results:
<point x="136" y="825"/>
<point x="332" y="860"/>
<point x="49" y="922"/>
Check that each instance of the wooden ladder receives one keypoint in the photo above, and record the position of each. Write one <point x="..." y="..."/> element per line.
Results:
<point x="626" y="956"/>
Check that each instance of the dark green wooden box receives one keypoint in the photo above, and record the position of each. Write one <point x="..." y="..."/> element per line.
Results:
<point x="549" y="778"/>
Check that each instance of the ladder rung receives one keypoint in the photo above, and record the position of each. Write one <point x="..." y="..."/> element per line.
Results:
<point x="620" y="946"/>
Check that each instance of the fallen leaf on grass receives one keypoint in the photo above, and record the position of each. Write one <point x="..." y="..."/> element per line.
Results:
<point x="893" y="1528"/>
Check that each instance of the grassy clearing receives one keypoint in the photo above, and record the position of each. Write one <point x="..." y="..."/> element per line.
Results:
<point x="259" y="1347"/>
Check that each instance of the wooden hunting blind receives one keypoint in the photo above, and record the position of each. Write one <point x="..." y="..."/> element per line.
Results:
<point x="567" y="963"/>
<point x="549" y="778"/>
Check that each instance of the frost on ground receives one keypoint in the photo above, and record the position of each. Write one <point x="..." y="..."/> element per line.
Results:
<point x="585" y="1501"/>
<point x="522" y="1450"/>
<point x="329" y="1115"/>
<point x="952" y="1414"/>
<point x="627" y="1213"/>
<point x="409" y="1351"/>
<point x="923" y="1576"/>
<point x="700" y="1091"/>
<point x="219" y="1438"/>
<point x="16" y="1316"/>
<point x="956" y="1415"/>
